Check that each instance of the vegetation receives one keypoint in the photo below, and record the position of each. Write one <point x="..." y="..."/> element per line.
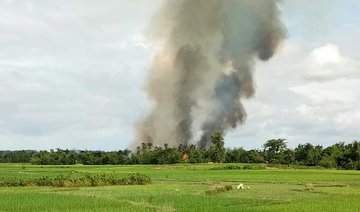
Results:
<point x="219" y="189"/>
<point x="217" y="152"/>
<point x="87" y="180"/>
<point x="275" y="151"/>
<point x="240" y="167"/>
<point x="185" y="187"/>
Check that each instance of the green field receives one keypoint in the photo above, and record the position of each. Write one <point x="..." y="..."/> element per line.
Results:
<point x="184" y="188"/>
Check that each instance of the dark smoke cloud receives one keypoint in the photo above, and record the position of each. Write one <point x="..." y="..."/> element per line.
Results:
<point x="204" y="66"/>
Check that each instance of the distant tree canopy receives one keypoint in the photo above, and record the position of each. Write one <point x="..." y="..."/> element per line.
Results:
<point x="275" y="151"/>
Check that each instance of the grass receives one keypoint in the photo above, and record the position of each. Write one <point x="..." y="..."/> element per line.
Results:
<point x="219" y="189"/>
<point x="70" y="181"/>
<point x="186" y="187"/>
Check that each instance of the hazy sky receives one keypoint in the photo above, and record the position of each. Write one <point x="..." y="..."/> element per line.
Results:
<point x="72" y="75"/>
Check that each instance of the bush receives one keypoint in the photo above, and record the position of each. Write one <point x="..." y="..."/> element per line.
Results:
<point x="328" y="162"/>
<point x="87" y="180"/>
<point x="219" y="189"/>
<point x="239" y="167"/>
<point x="228" y="167"/>
<point x="247" y="167"/>
<point x="137" y="179"/>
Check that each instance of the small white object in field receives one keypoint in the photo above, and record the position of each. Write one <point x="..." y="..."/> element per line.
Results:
<point x="240" y="186"/>
<point x="248" y="187"/>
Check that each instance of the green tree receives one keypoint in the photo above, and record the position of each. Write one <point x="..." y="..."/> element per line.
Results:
<point x="308" y="155"/>
<point x="71" y="157"/>
<point x="87" y="158"/>
<point x="196" y="156"/>
<point x="168" y="156"/>
<point x="274" y="150"/>
<point x="336" y="153"/>
<point x="289" y="156"/>
<point x="355" y="154"/>
<point x="237" y="155"/>
<point x="256" y="156"/>
<point x="217" y="152"/>
<point x="328" y="162"/>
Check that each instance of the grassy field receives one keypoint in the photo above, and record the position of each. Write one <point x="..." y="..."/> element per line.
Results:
<point x="185" y="188"/>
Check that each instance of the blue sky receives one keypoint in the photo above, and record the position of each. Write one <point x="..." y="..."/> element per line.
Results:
<point x="72" y="75"/>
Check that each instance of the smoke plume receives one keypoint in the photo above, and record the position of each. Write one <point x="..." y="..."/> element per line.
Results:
<point x="204" y="66"/>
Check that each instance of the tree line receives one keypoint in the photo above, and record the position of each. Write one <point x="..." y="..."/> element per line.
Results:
<point x="274" y="151"/>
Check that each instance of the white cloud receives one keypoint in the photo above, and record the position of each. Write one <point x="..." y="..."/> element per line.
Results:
<point x="305" y="96"/>
<point x="71" y="76"/>
<point x="327" y="63"/>
<point x="336" y="102"/>
<point x="326" y="54"/>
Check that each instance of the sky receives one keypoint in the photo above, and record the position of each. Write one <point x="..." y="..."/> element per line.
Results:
<point x="72" y="75"/>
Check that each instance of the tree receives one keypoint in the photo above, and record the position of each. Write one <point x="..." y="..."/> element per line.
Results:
<point x="256" y="156"/>
<point x="196" y="156"/>
<point x="168" y="156"/>
<point x="308" y="155"/>
<point x="336" y="153"/>
<point x="71" y="157"/>
<point x="237" y="155"/>
<point x="111" y="158"/>
<point x="217" y="152"/>
<point x="274" y="150"/>
<point x="327" y="162"/>
<point x="289" y="156"/>
<point x="355" y="154"/>
<point x="87" y="158"/>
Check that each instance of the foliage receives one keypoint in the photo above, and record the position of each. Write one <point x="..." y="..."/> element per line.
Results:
<point x="307" y="154"/>
<point x="339" y="155"/>
<point x="217" y="152"/>
<point x="239" y="167"/>
<point x="289" y="156"/>
<point x="274" y="151"/>
<point x="197" y="155"/>
<point x="87" y="180"/>
<point x="219" y="189"/>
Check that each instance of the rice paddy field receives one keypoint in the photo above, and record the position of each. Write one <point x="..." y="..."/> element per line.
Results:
<point x="185" y="187"/>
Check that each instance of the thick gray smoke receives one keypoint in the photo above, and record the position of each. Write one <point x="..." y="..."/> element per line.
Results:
<point x="204" y="66"/>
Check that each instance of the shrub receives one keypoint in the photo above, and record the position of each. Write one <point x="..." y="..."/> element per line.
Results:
<point x="228" y="167"/>
<point x="328" y="162"/>
<point x="219" y="189"/>
<point x="247" y="167"/>
<point x="87" y="180"/>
